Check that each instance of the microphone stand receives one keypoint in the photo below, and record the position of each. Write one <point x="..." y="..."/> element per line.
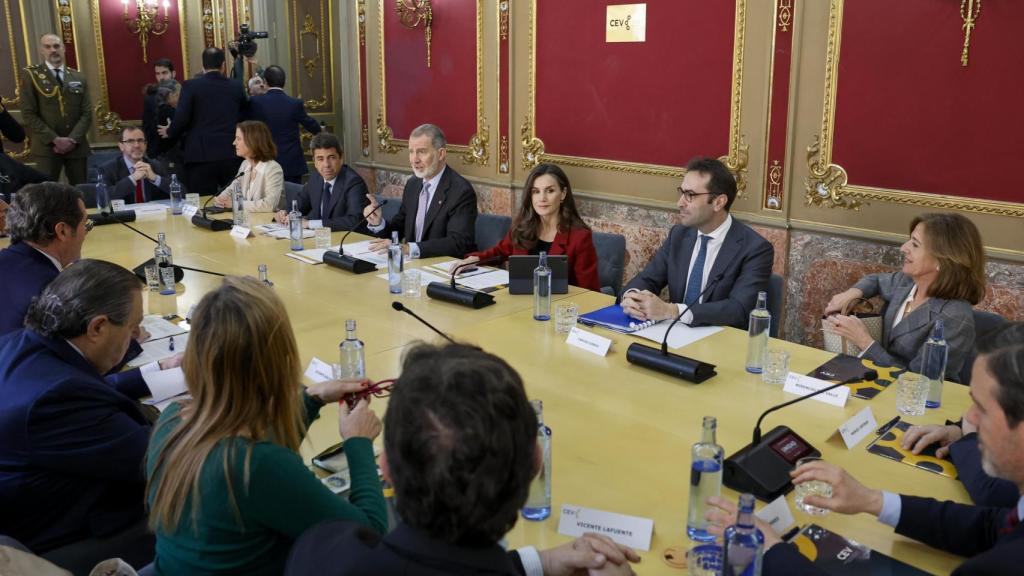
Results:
<point x="140" y="270"/>
<point x="350" y="263"/>
<point x="452" y="293"/>
<point x="401" y="308"/>
<point x="211" y="224"/>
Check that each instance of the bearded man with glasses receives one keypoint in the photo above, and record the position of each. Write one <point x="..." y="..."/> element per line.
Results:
<point x="134" y="177"/>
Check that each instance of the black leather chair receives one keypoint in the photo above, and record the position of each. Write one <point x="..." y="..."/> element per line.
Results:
<point x="983" y="322"/>
<point x="291" y="192"/>
<point x="776" y="294"/>
<point x="99" y="158"/>
<point x="88" y="191"/>
<point x="390" y="210"/>
<point x="611" y="260"/>
<point x="490" y="229"/>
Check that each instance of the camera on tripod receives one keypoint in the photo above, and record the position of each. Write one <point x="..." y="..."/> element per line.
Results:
<point x="245" y="44"/>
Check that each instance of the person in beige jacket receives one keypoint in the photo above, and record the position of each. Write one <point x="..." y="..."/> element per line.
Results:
<point x="262" y="179"/>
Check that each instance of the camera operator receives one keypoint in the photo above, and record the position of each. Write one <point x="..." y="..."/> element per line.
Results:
<point x="243" y="50"/>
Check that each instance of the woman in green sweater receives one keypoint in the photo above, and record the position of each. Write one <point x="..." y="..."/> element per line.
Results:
<point x="227" y="491"/>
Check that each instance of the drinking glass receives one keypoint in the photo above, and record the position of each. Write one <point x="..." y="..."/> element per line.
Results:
<point x="323" y="238"/>
<point x="411" y="286"/>
<point x="704" y="560"/>
<point x="911" y="394"/>
<point x="775" y="367"/>
<point x="192" y="199"/>
<point x="565" y="316"/>
<point x="812" y="488"/>
<point x="153" y="278"/>
<point x="167" y="279"/>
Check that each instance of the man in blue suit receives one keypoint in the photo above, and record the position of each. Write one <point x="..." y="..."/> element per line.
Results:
<point x="283" y="115"/>
<point x="992" y="538"/>
<point x="709" y="251"/>
<point x="47" y="223"/>
<point x="71" y="441"/>
<point x="335" y="195"/>
<point x="208" y="112"/>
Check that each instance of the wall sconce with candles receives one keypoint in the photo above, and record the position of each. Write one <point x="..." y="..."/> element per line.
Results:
<point x="146" y="22"/>
<point x="411" y="13"/>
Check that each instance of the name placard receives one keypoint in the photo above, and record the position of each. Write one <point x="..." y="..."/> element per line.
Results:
<point x="319" y="371"/>
<point x="858" y="428"/>
<point x="588" y="341"/>
<point x="240" y="232"/>
<point x="778" y="514"/>
<point x="802" y="385"/>
<point x="188" y="211"/>
<point x="632" y="531"/>
<point x="117" y="205"/>
<point x="626" y="23"/>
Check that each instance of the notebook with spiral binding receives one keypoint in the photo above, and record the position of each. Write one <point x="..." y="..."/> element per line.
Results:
<point x="614" y="318"/>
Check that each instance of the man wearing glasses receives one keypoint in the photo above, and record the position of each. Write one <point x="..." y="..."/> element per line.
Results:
<point x="713" y="264"/>
<point x="134" y="177"/>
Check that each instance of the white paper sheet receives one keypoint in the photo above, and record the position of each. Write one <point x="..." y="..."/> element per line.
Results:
<point x="148" y="209"/>
<point x="681" y="335"/>
<point x="484" y="281"/>
<point x="425" y="278"/>
<point x="164" y="384"/>
<point x="446" y="268"/>
<point x="159" y="328"/>
<point x="268" y="228"/>
<point x="309" y="256"/>
<point x="361" y="250"/>
<point x="163" y="404"/>
<point x="158" y="350"/>
<point x="285" y="234"/>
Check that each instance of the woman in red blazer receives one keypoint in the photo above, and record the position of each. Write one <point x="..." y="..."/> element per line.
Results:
<point x="548" y="222"/>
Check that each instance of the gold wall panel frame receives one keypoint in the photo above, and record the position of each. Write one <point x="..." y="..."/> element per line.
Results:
<point x="387" y="143"/>
<point x="828" y="183"/>
<point x="15" y="69"/>
<point x="736" y="159"/>
<point x="300" y="29"/>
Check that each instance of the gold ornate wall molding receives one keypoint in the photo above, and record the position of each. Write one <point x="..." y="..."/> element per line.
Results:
<point x="209" y="27"/>
<point x="478" y="145"/>
<point x="320" y="59"/>
<point x="9" y="22"/>
<point x="736" y="158"/>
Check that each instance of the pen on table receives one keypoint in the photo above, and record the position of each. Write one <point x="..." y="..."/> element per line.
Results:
<point x="888" y="426"/>
<point x="170" y="343"/>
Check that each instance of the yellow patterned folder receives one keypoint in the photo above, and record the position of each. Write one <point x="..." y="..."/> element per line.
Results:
<point x="844" y="366"/>
<point x="889" y="446"/>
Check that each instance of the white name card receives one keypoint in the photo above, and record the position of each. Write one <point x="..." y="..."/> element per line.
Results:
<point x="589" y="341"/>
<point x="319" y="371"/>
<point x="632" y="531"/>
<point x="858" y="428"/>
<point x="802" y="385"/>
<point x="240" y="232"/>
<point x="116" y="205"/>
<point x="188" y="211"/>
<point x="778" y="514"/>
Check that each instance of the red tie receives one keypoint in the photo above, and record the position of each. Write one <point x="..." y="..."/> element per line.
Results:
<point x="1012" y="520"/>
<point x="138" y="192"/>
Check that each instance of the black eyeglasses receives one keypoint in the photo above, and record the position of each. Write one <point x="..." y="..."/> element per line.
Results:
<point x="690" y="195"/>
<point x="89" y="224"/>
<point x="134" y="141"/>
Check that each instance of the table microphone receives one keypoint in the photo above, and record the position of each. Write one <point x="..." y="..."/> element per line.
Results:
<point x="212" y="224"/>
<point x="452" y="293"/>
<point x="762" y="467"/>
<point x="179" y="271"/>
<point x="341" y="260"/>
<point x="666" y="362"/>
<point x="401" y="308"/>
<point x="109" y="216"/>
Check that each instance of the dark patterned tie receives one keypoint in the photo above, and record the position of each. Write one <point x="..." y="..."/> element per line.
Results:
<point x="325" y="200"/>
<point x="697" y="273"/>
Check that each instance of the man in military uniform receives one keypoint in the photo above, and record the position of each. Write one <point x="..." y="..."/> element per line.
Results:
<point x="57" y="112"/>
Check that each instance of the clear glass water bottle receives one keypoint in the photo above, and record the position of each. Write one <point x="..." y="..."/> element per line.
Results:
<point x="238" y="215"/>
<point x="542" y="289"/>
<point x="353" y="359"/>
<point x="176" y="198"/>
<point x="743" y="542"/>
<point x="760" y="322"/>
<point x="933" y="366"/>
<point x="295" y="227"/>
<point x="705" y="480"/>
<point x="102" y="194"/>
<point x="262" y="269"/>
<point x="162" y="256"/>
<point x="538" y="503"/>
<point x="395" y="265"/>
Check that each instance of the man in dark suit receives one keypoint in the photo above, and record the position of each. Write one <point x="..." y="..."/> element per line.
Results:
<point x="206" y="117"/>
<point x="335" y="195"/>
<point x="163" y="68"/>
<point x="459" y="482"/>
<point x="283" y="115"/>
<point x="992" y="538"/>
<point x="438" y="212"/>
<point x="71" y="441"/>
<point x="13" y="174"/>
<point x="731" y="261"/>
<point x="133" y="177"/>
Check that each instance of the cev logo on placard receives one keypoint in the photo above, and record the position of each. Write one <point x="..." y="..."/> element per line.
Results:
<point x="626" y="23"/>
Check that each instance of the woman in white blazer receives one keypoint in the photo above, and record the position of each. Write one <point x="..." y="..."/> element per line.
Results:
<point x="262" y="179"/>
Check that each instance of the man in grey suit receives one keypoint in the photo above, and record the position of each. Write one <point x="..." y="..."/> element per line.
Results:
<point x="731" y="261"/>
<point x="133" y="177"/>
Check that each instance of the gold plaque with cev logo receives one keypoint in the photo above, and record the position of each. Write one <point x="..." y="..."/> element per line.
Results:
<point x="626" y="23"/>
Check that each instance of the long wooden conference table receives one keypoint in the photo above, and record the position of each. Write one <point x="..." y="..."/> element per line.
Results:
<point x="622" y="434"/>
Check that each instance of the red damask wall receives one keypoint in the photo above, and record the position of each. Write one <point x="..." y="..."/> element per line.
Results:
<point x="659" y="102"/>
<point x="126" y="72"/>
<point x="445" y="93"/>
<point x="910" y="117"/>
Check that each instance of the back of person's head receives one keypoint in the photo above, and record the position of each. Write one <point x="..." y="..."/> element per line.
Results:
<point x="955" y="243"/>
<point x="1002" y="348"/>
<point x="242" y="370"/>
<point x="213" y="58"/>
<point x="83" y="291"/>
<point x="721" y="182"/>
<point x="164" y="90"/>
<point x="259" y="140"/>
<point x="274" y="76"/>
<point x="37" y="209"/>
<point x="324" y="141"/>
<point x="460" y="438"/>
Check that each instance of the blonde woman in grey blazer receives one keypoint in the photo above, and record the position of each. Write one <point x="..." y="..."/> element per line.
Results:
<point x="943" y="276"/>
